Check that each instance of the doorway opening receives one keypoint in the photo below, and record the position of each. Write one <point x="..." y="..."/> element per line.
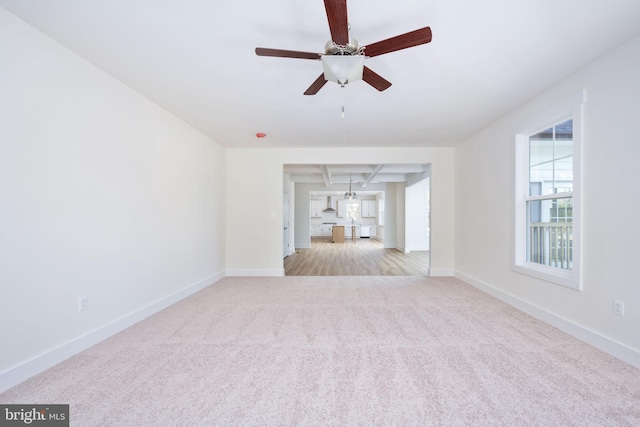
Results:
<point x="386" y="223"/>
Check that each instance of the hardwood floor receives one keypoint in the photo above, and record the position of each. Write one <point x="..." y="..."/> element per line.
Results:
<point x="362" y="257"/>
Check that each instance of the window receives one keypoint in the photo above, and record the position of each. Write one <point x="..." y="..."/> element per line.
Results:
<point x="547" y="234"/>
<point x="353" y="210"/>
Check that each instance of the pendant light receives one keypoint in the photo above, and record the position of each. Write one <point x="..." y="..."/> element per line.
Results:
<point x="350" y="195"/>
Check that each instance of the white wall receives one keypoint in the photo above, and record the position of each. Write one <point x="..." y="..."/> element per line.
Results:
<point x="102" y="194"/>
<point x="611" y="210"/>
<point x="289" y="189"/>
<point x="400" y="215"/>
<point x="417" y="216"/>
<point x="254" y="194"/>
<point x="391" y="203"/>
<point x="379" y="228"/>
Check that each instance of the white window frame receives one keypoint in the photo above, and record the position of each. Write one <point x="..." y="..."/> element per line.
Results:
<point x="570" y="108"/>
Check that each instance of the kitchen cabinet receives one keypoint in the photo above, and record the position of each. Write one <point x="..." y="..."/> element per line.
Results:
<point x="368" y="209"/>
<point x="316" y="208"/>
<point x="334" y="202"/>
<point x="320" y="230"/>
<point x="342" y="208"/>
<point x="337" y="232"/>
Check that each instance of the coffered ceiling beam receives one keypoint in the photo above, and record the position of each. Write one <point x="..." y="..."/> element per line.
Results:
<point x="326" y="175"/>
<point x="372" y="175"/>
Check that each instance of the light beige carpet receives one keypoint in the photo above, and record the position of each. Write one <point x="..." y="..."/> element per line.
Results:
<point x="340" y="351"/>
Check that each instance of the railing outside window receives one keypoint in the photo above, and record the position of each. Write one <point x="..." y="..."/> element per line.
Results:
<point x="551" y="244"/>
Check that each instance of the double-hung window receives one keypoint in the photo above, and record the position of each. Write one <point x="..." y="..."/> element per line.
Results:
<point x="547" y="211"/>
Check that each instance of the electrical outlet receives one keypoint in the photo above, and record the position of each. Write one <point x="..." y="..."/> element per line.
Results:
<point x="83" y="303"/>
<point x="618" y="307"/>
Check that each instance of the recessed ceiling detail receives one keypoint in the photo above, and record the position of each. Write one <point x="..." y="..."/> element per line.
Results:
<point x="360" y="175"/>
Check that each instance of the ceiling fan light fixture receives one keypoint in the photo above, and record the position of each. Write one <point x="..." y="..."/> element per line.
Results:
<point x="343" y="69"/>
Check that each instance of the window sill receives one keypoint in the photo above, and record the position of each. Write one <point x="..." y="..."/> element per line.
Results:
<point x="550" y="274"/>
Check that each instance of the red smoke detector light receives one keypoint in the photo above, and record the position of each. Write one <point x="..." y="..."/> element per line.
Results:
<point x="260" y="135"/>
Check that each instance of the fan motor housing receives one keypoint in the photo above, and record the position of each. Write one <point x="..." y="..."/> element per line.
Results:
<point x="353" y="48"/>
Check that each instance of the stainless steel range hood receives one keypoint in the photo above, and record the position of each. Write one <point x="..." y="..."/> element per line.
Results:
<point x="329" y="208"/>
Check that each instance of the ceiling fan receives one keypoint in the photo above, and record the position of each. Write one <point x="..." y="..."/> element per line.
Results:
<point x="343" y="60"/>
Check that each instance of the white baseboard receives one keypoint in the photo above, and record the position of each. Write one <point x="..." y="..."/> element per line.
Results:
<point x="250" y="272"/>
<point x="614" y="348"/>
<point x="15" y="375"/>
<point x="441" y="272"/>
<point x="418" y="248"/>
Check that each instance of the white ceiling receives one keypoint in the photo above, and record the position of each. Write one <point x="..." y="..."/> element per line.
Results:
<point x="196" y="59"/>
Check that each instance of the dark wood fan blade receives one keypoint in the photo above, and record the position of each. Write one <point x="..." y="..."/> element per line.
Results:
<point x="375" y="79"/>
<point x="316" y="86"/>
<point x="263" y="51"/>
<point x="403" y="41"/>
<point x="338" y="22"/>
